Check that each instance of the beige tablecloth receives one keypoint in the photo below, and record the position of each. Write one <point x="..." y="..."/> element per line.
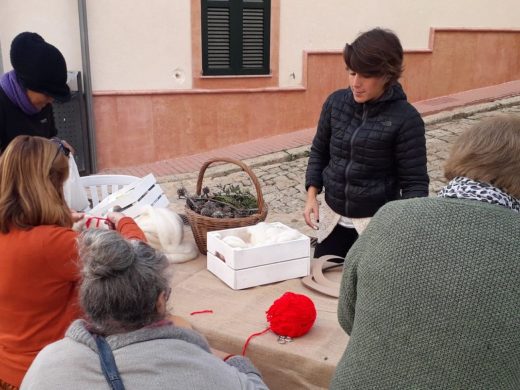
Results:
<point x="308" y="362"/>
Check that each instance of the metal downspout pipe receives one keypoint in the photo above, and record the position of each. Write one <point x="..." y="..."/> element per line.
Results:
<point x="85" y="60"/>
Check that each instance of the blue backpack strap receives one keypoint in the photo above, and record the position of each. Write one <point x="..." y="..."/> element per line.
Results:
<point x="108" y="364"/>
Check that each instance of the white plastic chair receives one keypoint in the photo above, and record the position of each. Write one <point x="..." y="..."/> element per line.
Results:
<point x="98" y="187"/>
<point x="130" y="193"/>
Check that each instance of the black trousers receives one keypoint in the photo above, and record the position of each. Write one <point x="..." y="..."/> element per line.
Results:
<point x="337" y="243"/>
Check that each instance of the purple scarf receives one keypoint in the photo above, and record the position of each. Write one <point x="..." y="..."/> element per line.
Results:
<point x="16" y="93"/>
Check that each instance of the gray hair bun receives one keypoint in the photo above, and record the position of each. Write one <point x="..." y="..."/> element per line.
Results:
<point x="105" y="253"/>
<point x="122" y="281"/>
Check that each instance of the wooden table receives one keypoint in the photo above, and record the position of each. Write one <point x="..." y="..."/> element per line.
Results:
<point x="308" y="362"/>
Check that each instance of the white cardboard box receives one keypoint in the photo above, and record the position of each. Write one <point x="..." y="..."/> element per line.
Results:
<point x="262" y="264"/>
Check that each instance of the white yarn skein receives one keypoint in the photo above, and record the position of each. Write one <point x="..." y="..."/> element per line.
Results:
<point x="164" y="231"/>
<point x="258" y="233"/>
<point x="288" y="235"/>
<point x="264" y="233"/>
<point x="235" y="242"/>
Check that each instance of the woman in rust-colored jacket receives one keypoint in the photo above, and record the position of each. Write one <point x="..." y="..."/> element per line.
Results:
<point x="38" y="265"/>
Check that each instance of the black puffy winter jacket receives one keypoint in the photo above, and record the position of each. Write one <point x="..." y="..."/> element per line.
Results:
<point x="366" y="155"/>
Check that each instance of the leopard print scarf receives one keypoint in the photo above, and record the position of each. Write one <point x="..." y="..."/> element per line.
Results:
<point x="464" y="188"/>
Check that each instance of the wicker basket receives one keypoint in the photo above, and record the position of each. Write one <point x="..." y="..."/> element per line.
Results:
<point x="201" y="225"/>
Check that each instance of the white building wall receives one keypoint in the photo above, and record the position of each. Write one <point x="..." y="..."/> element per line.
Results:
<point x="134" y="44"/>
<point x="55" y="20"/>
<point x="140" y="44"/>
<point x="329" y="24"/>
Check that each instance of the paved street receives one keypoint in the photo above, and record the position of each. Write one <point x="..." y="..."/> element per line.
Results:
<point x="282" y="183"/>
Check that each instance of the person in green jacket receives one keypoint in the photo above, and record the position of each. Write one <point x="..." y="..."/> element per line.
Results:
<point x="430" y="292"/>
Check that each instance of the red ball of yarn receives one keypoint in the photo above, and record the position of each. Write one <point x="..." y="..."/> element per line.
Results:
<point x="291" y="315"/>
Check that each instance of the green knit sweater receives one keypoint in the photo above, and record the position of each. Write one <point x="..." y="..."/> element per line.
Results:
<point x="430" y="297"/>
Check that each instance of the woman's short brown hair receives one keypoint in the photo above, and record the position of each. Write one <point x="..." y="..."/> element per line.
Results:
<point x="32" y="173"/>
<point x="375" y="53"/>
<point x="489" y="152"/>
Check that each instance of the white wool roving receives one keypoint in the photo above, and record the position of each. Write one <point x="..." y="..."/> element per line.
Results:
<point x="164" y="231"/>
<point x="235" y="242"/>
<point x="264" y="233"/>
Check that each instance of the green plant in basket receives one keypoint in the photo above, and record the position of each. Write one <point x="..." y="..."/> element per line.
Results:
<point x="236" y="197"/>
<point x="229" y="201"/>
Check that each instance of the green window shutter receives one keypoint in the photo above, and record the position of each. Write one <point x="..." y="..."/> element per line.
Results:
<point x="235" y="37"/>
<point x="216" y="41"/>
<point x="255" y="51"/>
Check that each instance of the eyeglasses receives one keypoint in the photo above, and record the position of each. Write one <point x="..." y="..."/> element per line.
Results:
<point x="61" y="148"/>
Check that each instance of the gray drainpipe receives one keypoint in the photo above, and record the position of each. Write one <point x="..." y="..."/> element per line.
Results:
<point x="87" y="81"/>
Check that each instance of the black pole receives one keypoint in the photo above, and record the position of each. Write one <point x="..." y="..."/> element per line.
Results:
<point x="87" y="82"/>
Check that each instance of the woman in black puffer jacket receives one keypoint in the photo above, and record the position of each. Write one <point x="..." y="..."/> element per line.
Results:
<point x="370" y="146"/>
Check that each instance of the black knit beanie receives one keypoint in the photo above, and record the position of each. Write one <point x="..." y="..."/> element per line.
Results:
<point x="40" y="66"/>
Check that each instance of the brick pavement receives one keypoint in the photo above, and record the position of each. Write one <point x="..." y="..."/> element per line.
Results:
<point x="281" y="175"/>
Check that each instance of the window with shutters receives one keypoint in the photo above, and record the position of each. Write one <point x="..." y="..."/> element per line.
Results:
<point x="235" y="37"/>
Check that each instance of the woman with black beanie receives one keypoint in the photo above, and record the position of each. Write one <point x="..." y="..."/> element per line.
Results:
<point x="39" y="78"/>
<point x="27" y="92"/>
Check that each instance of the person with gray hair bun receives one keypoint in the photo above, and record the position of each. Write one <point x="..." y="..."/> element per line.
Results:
<point x="124" y="291"/>
<point x="124" y="282"/>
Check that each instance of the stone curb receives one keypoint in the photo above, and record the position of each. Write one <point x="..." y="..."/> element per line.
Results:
<point x="464" y="112"/>
<point x="303" y="151"/>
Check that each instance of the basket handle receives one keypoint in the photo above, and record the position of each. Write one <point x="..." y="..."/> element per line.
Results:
<point x="245" y="168"/>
